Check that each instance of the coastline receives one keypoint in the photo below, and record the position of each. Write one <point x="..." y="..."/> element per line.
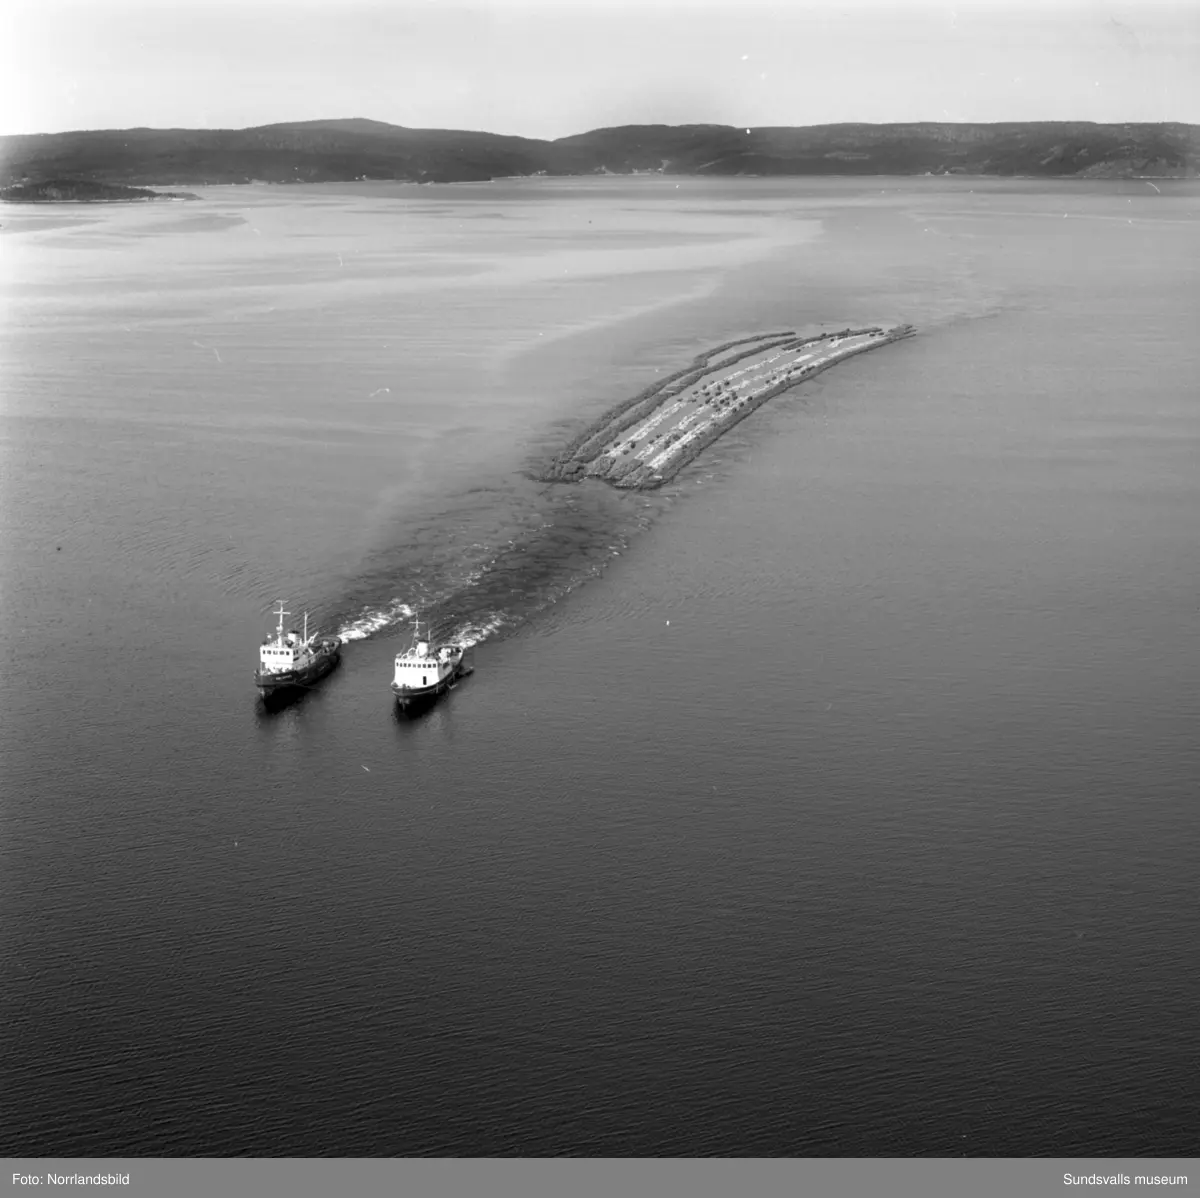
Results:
<point x="174" y="199"/>
<point x="85" y="191"/>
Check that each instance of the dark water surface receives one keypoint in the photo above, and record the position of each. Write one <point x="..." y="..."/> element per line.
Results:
<point x="839" y="799"/>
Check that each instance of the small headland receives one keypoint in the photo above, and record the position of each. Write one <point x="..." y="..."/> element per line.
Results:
<point x="84" y="191"/>
<point x="645" y="441"/>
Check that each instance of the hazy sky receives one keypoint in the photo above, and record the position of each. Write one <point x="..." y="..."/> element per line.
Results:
<point x="546" y="69"/>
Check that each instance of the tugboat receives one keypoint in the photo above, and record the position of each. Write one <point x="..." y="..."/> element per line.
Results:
<point x="291" y="661"/>
<point x="424" y="671"/>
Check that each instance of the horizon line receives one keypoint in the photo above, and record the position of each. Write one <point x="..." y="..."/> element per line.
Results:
<point x="583" y="133"/>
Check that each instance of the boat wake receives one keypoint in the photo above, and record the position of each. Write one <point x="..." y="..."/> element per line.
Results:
<point x="478" y="570"/>
<point x="401" y="614"/>
<point x="478" y="561"/>
<point x="375" y="621"/>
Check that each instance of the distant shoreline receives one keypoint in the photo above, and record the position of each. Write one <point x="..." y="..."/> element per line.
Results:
<point x="85" y="191"/>
<point x="637" y="175"/>
<point x="148" y="200"/>
<point x="360" y="150"/>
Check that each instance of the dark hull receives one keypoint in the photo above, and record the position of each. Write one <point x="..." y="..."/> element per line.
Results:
<point x="274" y="684"/>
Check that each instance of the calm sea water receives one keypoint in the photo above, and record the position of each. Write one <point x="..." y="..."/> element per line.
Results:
<point x="839" y="799"/>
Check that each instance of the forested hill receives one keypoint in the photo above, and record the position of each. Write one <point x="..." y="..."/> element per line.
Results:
<point x="315" y="151"/>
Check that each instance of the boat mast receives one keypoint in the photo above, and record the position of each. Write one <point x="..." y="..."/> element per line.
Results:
<point x="306" y="628"/>
<point x="281" y="613"/>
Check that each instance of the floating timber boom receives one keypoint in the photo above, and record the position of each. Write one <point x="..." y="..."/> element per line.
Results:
<point x="645" y="441"/>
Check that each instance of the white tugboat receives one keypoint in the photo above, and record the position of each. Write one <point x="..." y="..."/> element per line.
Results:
<point x="294" y="661"/>
<point x="425" y="670"/>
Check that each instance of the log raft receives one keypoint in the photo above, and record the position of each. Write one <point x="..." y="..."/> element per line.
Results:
<point x="645" y="441"/>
